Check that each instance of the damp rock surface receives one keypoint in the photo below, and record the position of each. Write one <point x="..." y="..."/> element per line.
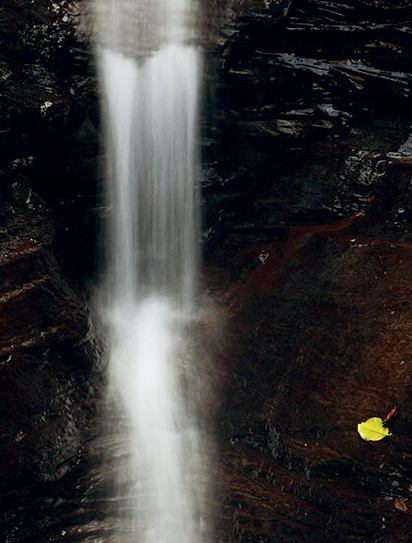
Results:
<point x="318" y="341"/>
<point x="311" y="106"/>
<point x="45" y="373"/>
<point x="306" y="123"/>
<point x="49" y="117"/>
<point x="310" y="203"/>
<point x="47" y="136"/>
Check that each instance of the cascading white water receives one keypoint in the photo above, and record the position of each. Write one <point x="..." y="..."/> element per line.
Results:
<point x="151" y="120"/>
<point x="150" y="82"/>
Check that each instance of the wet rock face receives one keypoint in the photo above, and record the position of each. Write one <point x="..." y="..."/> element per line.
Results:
<point x="307" y="123"/>
<point x="45" y="373"/>
<point x="49" y="116"/>
<point x="312" y="103"/>
<point x="319" y="332"/>
<point x="312" y="125"/>
<point x="48" y="141"/>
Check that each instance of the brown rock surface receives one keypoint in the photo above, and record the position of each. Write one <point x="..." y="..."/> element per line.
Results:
<point x="320" y="341"/>
<point x="309" y="122"/>
<point x="45" y="374"/>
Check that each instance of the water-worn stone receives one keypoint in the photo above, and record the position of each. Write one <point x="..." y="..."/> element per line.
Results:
<point x="310" y="98"/>
<point x="45" y="373"/>
<point x="306" y="121"/>
<point x="46" y="394"/>
<point x="319" y="339"/>
<point x="49" y="117"/>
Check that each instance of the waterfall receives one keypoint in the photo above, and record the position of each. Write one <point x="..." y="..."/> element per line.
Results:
<point x="151" y="121"/>
<point x="149" y="76"/>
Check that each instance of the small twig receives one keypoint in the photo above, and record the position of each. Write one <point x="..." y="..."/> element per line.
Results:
<point x="391" y="415"/>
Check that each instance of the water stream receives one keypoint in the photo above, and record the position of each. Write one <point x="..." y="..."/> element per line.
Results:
<point x="150" y="78"/>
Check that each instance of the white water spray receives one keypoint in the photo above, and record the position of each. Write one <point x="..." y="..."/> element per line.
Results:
<point x="150" y="82"/>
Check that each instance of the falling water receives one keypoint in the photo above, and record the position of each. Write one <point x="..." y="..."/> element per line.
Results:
<point x="150" y="83"/>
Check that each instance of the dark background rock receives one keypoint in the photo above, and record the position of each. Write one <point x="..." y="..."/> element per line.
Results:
<point x="49" y="118"/>
<point x="319" y="338"/>
<point x="307" y="108"/>
<point x="46" y="374"/>
<point x="307" y="196"/>
<point x="311" y="126"/>
<point x="48" y="109"/>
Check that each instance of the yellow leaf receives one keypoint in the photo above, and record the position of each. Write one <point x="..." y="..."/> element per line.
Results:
<point x="373" y="429"/>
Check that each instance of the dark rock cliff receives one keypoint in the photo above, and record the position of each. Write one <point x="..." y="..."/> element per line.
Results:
<point x="49" y="118"/>
<point x="307" y="174"/>
<point x="47" y="135"/>
<point x="311" y="178"/>
<point x="312" y="115"/>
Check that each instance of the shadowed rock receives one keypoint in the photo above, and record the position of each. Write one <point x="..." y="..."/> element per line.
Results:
<point x="319" y="332"/>
<point x="308" y="122"/>
<point x="306" y="107"/>
<point x="45" y="374"/>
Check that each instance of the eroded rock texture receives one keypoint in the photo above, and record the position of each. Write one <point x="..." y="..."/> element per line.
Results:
<point x="49" y="117"/>
<point x="319" y="332"/>
<point x="46" y="393"/>
<point x="307" y="190"/>
<point x="45" y="375"/>
<point x="313" y="121"/>
<point x="312" y="105"/>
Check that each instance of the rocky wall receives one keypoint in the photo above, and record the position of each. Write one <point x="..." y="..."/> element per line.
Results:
<point x="47" y="137"/>
<point x="306" y="178"/>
